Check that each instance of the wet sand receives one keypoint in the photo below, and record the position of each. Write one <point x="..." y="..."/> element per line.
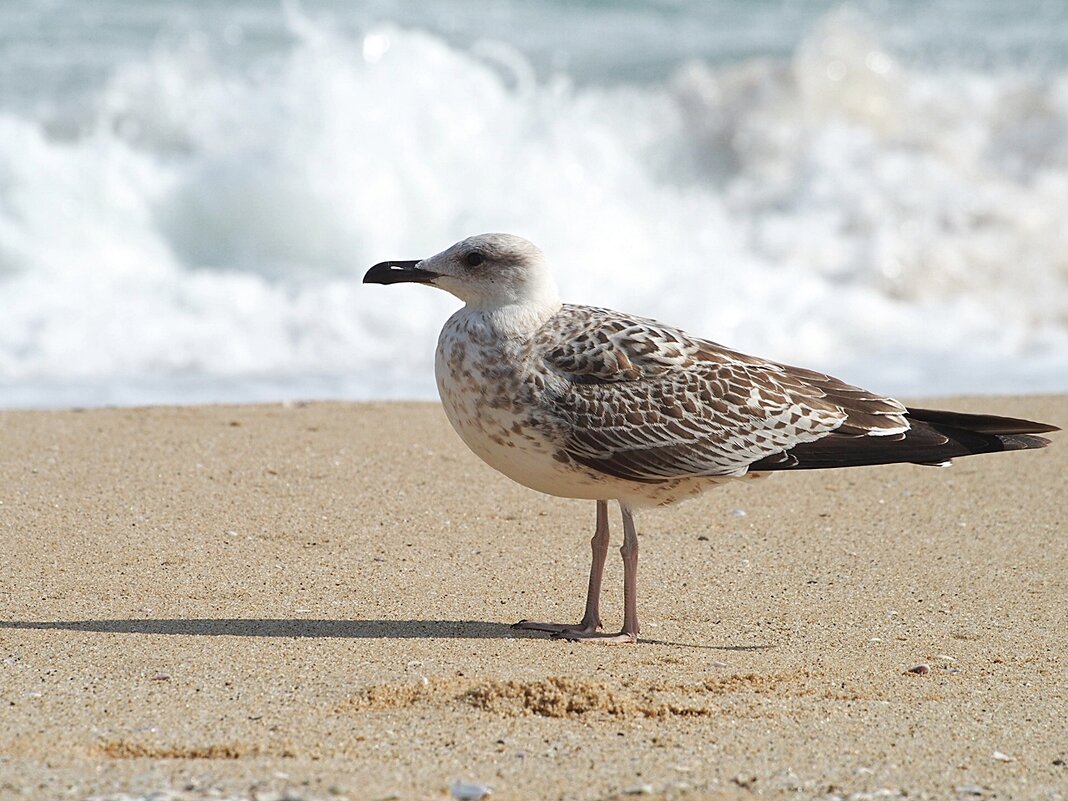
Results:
<point x="315" y="600"/>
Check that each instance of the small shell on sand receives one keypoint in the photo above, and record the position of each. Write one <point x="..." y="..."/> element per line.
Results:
<point x="920" y="670"/>
<point x="467" y="791"/>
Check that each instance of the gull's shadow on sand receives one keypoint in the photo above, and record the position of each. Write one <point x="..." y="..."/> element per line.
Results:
<point x="281" y="627"/>
<point x="323" y="629"/>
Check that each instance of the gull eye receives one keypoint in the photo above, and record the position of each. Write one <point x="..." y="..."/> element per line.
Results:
<point x="474" y="258"/>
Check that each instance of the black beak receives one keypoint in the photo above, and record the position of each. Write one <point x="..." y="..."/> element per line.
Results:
<point x="397" y="272"/>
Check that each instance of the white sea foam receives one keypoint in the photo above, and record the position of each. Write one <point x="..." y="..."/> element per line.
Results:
<point x="201" y="233"/>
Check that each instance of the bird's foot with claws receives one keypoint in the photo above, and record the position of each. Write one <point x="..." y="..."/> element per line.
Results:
<point x="562" y="630"/>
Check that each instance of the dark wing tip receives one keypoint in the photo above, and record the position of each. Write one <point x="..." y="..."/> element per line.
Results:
<point x="981" y="423"/>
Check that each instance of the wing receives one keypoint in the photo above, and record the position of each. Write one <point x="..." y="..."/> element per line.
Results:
<point x="647" y="402"/>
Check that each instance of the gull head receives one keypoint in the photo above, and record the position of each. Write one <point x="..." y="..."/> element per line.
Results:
<point x="487" y="271"/>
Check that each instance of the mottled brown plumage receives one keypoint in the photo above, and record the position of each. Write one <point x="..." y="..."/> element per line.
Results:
<point x="586" y="402"/>
<point x="647" y="402"/>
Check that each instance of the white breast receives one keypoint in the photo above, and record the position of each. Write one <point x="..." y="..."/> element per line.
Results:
<point x="488" y="395"/>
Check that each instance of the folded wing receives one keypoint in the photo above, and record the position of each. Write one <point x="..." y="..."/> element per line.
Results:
<point x="646" y="402"/>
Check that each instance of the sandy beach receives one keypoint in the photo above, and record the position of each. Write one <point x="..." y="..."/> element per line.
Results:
<point x="315" y="599"/>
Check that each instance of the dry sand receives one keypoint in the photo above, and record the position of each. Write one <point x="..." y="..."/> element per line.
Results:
<point x="315" y="599"/>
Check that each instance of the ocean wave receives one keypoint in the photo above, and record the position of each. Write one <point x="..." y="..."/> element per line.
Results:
<point x="209" y="221"/>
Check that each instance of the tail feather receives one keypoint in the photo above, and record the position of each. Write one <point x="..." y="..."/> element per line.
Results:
<point x="934" y="438"/>
<point x="980" y="423"/>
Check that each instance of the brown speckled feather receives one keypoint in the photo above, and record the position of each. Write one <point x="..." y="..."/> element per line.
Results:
<point x="647" y="402"/>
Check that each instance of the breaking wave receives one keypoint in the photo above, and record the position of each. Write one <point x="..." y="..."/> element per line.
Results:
<point x="198" y="228"/>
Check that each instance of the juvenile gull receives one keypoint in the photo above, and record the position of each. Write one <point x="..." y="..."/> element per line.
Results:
<point x="582" y="402"/>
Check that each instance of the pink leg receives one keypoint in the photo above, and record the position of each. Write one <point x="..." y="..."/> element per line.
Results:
<point x="629" y="551"/>
<point x="591" y="620"/>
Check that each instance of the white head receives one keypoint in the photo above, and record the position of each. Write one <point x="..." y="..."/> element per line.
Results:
<point x="485" y="271"/>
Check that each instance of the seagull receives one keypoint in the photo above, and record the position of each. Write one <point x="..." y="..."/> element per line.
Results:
<point x="584" y="402"/>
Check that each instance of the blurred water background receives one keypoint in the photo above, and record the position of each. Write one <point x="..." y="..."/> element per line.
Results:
<point x="190" y="191"/>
